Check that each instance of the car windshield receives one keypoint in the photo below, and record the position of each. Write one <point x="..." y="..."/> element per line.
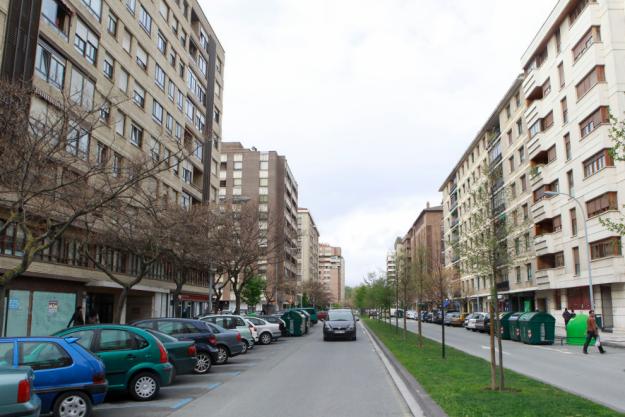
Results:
<point x="340" y="316"/>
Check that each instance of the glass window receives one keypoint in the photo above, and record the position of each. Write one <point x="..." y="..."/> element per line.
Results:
<point x="95" y="7"/>
<point x="131" y="5"/>
<point x="185" y="200"/>
<point x="142" y="57"/>
<point x="111" y="340"/>
<point x="199" y="150"/>
<point x="108" y="65"/>
<point x="122" y="80"/>
<point x="85" y="338"/>
<point x="50" y="66"/>
<point x="82" y="89"/>
<point x="145" y="20"/>
<point x="127" y="41"/>
<point x="6" y="354"/>
<point x="136" y="135"/>
<point x="169" y="123"/>
<point x="171" y="90"/>
<point x="55" y="13"/>
<point x="157" y="112"/>
<point x="117" y="165"/>
<point x="111" y="25"/>
<point x="161" y="43"/>
<point x="163" y="9"/>
<point x="159" y="77"/>
<point x="139" y="95"/>
<point x="78" y="142"/>
<point x="155" y="149"/>
<point x="43" y="355"/>
<point x="86" y="42"/>
<point x="120" y="123"/>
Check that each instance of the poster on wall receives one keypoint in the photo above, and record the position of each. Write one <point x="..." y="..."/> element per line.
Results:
<point x="14" y="304"/>
<point x="53" y="307"/>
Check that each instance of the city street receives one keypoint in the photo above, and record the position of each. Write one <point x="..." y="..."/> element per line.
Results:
<point x="296" y="376"/>
<point x="600" y="378"/>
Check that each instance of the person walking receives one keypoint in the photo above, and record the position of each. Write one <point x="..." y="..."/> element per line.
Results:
<point x="566" y="316"/>
<point x="592" y="331"/>
<point x="77" y="319"/>
<point x="93" y="317"/>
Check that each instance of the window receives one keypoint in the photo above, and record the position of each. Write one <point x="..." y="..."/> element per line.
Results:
<point x="175" y="163"/>
<point x="120" y="123"/>
<point x="157" y="112"/>
<point x="565" y="110"/>
<point x="594" y="77"/>
<point x="523" y="183"/>
<point x="171" y="90"/>
<point x="178" y="132"/>
<point x="597" y="162"/>
<point x="86" y="42"/>
<point x="508" y="111"/>
<point x="561" y="74"/>
<point x="511" y="163"/>
<point x="159" y="77"/>
<point x="546" y="87"/>
<point x="559" y="260"/>
<point x="200" y="121"/>
<point x="528" y="268"/>
<point x="525" y="212"/>
<point x="187" y="172"/>
<point x="108" y="65"/>
<point x="592" y="122"/>
<point x="547" y="121"/>
<point x="174" y="25"/>
<point x="183" y="38"/>
<point x="155" y="149"/>
<point x="521" y="154"/>
<point x="181" y="68"/>
<point x="78" y="142"/>
<point x="601" y="204"/>
<point x="43" y="355"/>
<point x="574" y="14"/>
<point x="576" y="260"/>
<point x="56" y="14"/>
<point x="163" y="10"/>
<point x="112" y="340"/>
<point x="517" y="246"/>
<point x="551" y="154"/>
<point x="139" y="95"/>
<point x="216" y="115"/>
<point x="567" y="146"/>
<point x="172" y="58"/>
<point x="526" y="238"/>
<point x="94" y="6"/>
<point x="593" y="35"/>
<point x="111" y="25"/>
<point x="142" y="57"/>
<point x="169" y="123"/>
<point x="117" y="165"/>
<point x="558" y="41"/>
<point x="161" y="43"/>
<point x="179" y="99"/>
<point x="573" y="213"/>
<point x="185" y="200"/>
<point x="218" y="65"/>
<point x="122" y="80"/>
<point x="81" y="89"/>
<point x="105" y="111"/>
<point x="50" y="66"/>
<point x="101" y="155"/>
<point x="127" y="41"/>
<point x="536" y="128"/>
<point x="199" y="150"/>
<point x="131" y="5"/>
<point x="519" y="127"/>
<point x="145" y="20"/>
<point x="190" y="110"/>
<point x="571" y="182"/>
<point x="136" y="135"/>
<point x="605" y="247"/>
<point x="517" y="271"/>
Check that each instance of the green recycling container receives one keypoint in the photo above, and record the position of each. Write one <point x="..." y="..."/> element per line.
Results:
<point x="576" y="330"/>
<point x="312" y="311"/>
<point x="515" y="331"/>
<point x="294" y="321"/>
<point x="307" y="321"/>
<point x="504" y="325"/>
<point x="537" y="328"/>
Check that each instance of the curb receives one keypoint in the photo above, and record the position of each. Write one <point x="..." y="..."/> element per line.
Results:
<point x="428" y="406"/>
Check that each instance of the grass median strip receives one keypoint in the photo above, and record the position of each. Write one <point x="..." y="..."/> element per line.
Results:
<point x="460" y="384"/>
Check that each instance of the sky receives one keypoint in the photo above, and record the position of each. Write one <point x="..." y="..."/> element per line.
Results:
<point x="372" y="102"/>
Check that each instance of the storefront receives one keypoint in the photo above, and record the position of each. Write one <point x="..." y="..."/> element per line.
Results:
<point x="193" y="305"/>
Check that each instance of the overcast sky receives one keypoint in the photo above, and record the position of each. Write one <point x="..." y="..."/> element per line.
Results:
<point x="371" y="101"/>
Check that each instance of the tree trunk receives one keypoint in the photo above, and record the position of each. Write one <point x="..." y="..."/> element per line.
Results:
<point x="237" y="301"/>
<point x="121" y="304"/>
<point x="493" y="361"/>
<point x="499" y="346"/>
<point x="176" y="304"/>
<point x="443" y="332"/>
<point x="405" y="326"/>
<point x="419" y="324"/>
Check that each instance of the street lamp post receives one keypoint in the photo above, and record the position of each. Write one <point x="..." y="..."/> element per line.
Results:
<point x="581" y="208"/>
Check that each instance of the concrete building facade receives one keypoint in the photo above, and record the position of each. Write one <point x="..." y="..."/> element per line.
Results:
<point x="308" y="247"/>
<point x="332" y="271"/>
<point x="162" y="62"/>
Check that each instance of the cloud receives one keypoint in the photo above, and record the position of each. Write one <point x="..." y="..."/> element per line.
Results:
<point x="372" y="101"/>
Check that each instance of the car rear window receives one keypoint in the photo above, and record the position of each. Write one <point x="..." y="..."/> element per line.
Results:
<point x="43" y="355"/>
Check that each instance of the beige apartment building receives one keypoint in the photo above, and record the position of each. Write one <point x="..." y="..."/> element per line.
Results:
<point x="308" y="247"/>
<point x="162" y="62"/>
<point x="501" y="147"/>
<point x="574" y="77"/>
<point x="265" y="179"/>
<point x="332" y="271"/>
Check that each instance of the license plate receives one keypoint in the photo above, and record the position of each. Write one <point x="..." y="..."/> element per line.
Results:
<point x="339" y="331"/>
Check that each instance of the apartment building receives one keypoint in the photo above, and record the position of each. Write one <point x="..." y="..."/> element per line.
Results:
<point x="265" y="179"/>
<point x="308" y="247"/>
<point x="573" y="79"/>
<point x="332" y="271"/>
<point x="501" y="148"/>
<point x="162" y="63"/>
<point x="391" y="263"/>
<point x="424" y="234"/>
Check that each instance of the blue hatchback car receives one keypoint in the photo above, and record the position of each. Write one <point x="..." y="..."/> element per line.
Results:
<point x="68" y="378"/>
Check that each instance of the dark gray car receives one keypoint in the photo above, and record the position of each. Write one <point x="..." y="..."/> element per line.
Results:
<point x="228" y="342"/>
<point x="340" y="324"/>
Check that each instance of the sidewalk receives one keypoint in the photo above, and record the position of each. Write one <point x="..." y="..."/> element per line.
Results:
<point x="608" y="339"/>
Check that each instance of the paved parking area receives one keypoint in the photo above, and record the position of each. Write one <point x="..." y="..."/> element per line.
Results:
<point x="187" y="388"/>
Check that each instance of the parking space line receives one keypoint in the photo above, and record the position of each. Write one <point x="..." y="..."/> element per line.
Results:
<point x="181" y="403"/>
<point x="191" y="386"/>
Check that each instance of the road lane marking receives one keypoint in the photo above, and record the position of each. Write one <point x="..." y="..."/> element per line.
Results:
<point x="566" y="352"/>
<point x="496" y="350"/>
<point x="209" y="387"/>
<point x="181" y="403"/>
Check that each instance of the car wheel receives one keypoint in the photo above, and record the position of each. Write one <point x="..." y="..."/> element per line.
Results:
<point x="354" y="337"/>
<point x="144" y="386"/>
<point x="222" y="355"/>
<point x="203" y="364"/>
<point x="325" y="338"/>
<point x="72" y="404"/>
<point x="265" y="338"/>
<point x="244" y="351"/>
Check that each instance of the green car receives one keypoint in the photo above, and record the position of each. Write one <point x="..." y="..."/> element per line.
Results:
<point x="182" y="353"/>
<point x="16" y="393"/>
<point x="135" y="360"/>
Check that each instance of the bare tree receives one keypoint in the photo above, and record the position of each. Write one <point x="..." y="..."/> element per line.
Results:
<point x="406" y="284"/>
<point x="51" y="180"/>
<point x="317" y="293"/>
<point x="420" y="269"/>
<point x="442" y="284"/>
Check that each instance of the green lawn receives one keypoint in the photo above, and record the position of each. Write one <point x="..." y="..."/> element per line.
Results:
<point x="460" y="384"/>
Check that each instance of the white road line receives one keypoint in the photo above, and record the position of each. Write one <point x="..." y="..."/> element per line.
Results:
<point x="496" y="350"/>
<point x="566" y="352"/>
<point x="412" y="404"/>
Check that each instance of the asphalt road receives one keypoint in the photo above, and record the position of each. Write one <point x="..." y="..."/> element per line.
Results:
<point x="304" y="376"/>
<point x="600" y="378"/>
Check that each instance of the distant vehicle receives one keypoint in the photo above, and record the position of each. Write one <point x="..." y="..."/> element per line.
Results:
<point x="482" y="323"/>
<point x="267" y="332"/>
<point x="472" y="323"/>
<point x="411" y="314"/>
<point x="233" y="322"/>
<point x="437" y="317"/>
<point x="450" y="317"/>
<point x="314" y="318"/>
<point x="16" y="393"/>
<point x="459" y="320"/>
<point x="397" y="312"/>
<point x="468" y="317"/>
<point x="322" y="315"/>
<point x="229" y="342"/>
<point x="182" y="353"/>
<point x="135" y="361"/>
<point x="276" y="320"/>
<point x="188" y="329"/>
<point x="340" y="324"/>
<point x="67" y="378"/>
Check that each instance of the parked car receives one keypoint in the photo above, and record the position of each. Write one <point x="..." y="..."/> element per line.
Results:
<point x="468" y="317"/>
<point x="233" y="322"/>
<point x="424" y="315"/>
<point x="471" y="324"/>
<point x="253" y="329"/>
<point x="229" y="342"/>
<point x="182" y="353"/>
<point x="322" y="315"/>
<point x="135" y="361"/>
<point x="67" y="377"/>
<point x="411" y="314"/>
<point x="16" y="393"/>
<point x="482" y="323"/>
<point x="188" y="329"/>
<point x="437" y="317"/>
<point x="277" y="320"/>
<point x="312" y="311"/>
<point x="340" y="323"/>
<point x="267" y="332"/>
<point x="459" y="320"/>
<point x="450" y="317"/>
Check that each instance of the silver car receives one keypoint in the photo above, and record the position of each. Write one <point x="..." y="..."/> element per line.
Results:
<point x="267" y="332"/>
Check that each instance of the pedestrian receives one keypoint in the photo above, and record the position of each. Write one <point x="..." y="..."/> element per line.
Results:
<point x="573" y="314"/>
<point x="566" y="316"/>
<point x="77" y="319"/>
<point x="93" y="318"/>
<point x="592" y="331"/>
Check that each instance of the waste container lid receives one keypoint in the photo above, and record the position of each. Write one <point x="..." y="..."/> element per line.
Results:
<point x="536" y="316"/>
<point x="515" y="316"/>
